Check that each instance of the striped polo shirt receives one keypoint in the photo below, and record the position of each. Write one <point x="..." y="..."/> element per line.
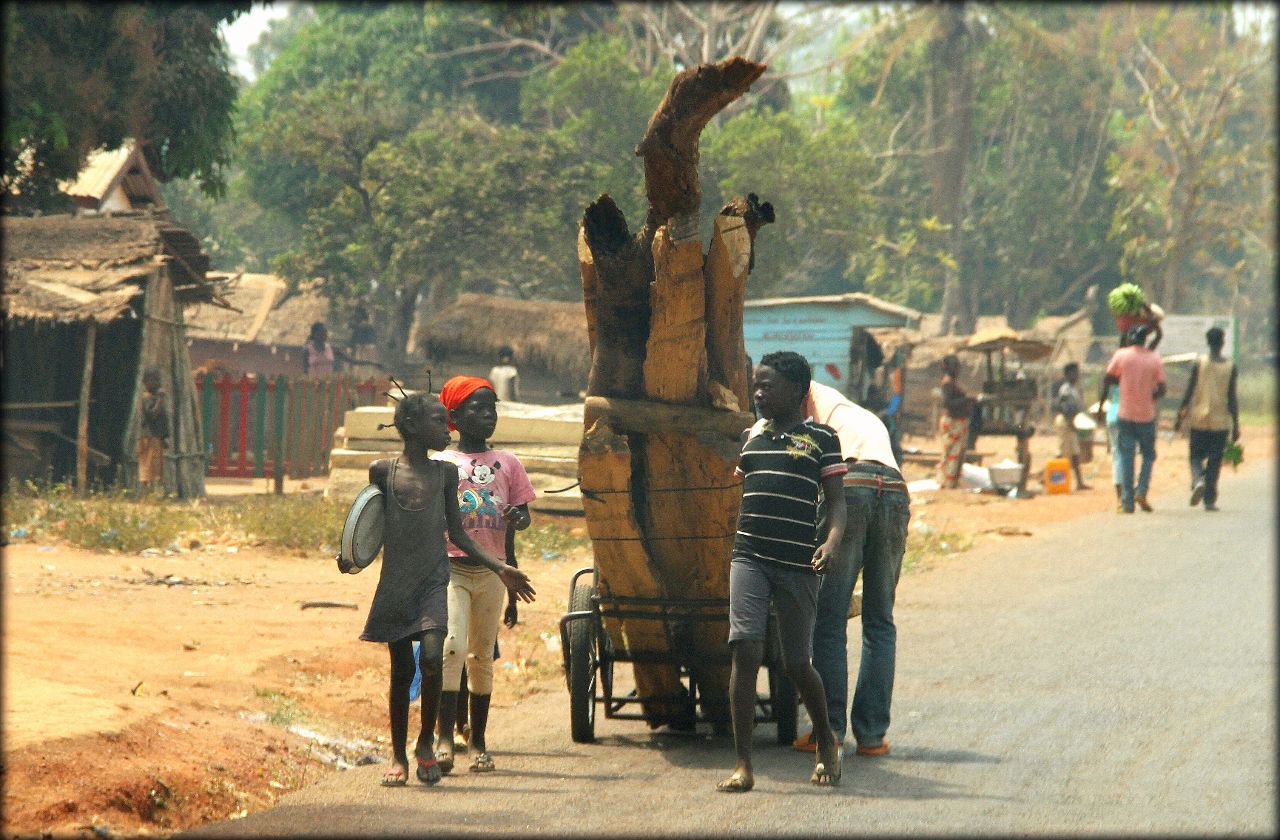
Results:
<point x="781" y="473"/>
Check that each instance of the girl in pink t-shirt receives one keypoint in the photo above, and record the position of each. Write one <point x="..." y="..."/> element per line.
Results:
<point x="493" y="495"/>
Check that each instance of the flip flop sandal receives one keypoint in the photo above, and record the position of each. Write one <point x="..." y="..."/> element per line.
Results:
<point x="482" y="763"/>
<point x="429" y="771"/>
<point x="445" y="759"/>
<point x="881" y="749"/>
<point x="805" y="743"/>
<point x="460" y="744"/>
<point x="735" y="784"/>
<point x="395" y="778"/>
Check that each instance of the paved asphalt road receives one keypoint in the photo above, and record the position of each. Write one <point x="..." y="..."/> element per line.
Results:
<point x="1111" y="675"/>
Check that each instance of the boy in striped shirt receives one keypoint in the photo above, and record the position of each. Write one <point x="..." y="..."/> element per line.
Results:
<point x="776" y="556"/>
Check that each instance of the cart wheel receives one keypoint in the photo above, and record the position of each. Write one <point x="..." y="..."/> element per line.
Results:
<point x="582" y="669"/>
<point x="784" y="705"/>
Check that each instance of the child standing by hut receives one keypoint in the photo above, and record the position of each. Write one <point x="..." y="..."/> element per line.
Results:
<point x="154" y="432"/>
<point x="411" y="601"/>
<point x="494" y="494"/>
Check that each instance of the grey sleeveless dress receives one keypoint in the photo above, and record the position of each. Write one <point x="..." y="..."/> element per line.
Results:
<point x="413" y="588"/>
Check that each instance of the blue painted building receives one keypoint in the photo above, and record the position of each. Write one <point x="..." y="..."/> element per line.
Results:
<point x="822" y="329"/>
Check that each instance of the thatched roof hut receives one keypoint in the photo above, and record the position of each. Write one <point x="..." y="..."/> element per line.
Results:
<point x="89" y="303"/>
<point x="265" y="330"/>
<point x="549" y="339"/>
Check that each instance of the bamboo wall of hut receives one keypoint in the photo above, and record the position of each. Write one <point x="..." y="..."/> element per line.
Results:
<point x="117" y="285"/>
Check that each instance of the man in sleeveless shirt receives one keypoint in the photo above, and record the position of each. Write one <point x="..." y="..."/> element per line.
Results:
<point x="1210" y="411"/>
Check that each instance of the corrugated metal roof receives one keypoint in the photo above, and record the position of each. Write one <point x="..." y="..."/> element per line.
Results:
<point x="847" y="299"/>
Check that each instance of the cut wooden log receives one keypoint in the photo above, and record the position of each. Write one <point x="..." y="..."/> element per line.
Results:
<point x="622" y="268"/>
<point x="590" y="286"/>
<point x="675" y="366"/>
<point x="651" y="416"/>
<point x="661" y="434"/>
<point x="623" y="563"/>
<point x="726" y="283"/>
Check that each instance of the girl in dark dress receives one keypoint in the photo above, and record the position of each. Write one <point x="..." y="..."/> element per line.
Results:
<point x="411" y="601"/>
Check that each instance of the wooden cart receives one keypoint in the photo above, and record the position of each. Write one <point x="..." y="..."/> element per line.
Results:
<point x="666" y="407"/>
<point x="590" y="654"/>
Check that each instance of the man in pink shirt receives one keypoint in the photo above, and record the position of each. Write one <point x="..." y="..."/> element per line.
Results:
<point x="1139" y="373"/>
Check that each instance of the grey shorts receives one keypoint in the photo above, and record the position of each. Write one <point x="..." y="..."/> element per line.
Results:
<point x="753" y="583"/>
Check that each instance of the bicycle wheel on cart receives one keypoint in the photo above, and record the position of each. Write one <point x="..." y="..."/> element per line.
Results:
<point x="583" y="668"/>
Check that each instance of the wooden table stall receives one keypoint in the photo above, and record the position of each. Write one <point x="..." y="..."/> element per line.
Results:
<point x="1007" y="402"/>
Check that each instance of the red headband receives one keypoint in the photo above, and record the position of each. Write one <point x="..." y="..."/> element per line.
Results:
<point x="455" y="392"/>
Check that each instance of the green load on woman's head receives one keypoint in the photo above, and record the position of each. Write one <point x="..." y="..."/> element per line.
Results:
<point x="1126" y="299"/>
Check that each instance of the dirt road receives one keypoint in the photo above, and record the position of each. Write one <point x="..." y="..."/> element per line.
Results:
<point x="147" y="694"/>
<point x="1117" y="678"/>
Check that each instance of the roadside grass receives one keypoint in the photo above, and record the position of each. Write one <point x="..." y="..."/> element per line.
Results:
<point x="926" y="544"/>
<point x="299" y="523"/>
<point x="1256" y="395"/>
<point x="550" y="540"/>
<point x="116" y="520"/>
<point x="109" y="520"/>
<point x="285" y="710"/>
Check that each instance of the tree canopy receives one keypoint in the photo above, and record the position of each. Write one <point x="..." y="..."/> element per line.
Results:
<point x="977" y="158"/>
<point x="84" y="76"/>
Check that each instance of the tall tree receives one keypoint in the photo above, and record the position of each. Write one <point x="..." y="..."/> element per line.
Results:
<point x="79" y="77"/>
<point x="1196" y="157"/>
<point x="952" y="33"/>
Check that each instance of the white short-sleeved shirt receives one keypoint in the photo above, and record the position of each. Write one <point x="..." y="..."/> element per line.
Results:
<point x="863" y="436"/>
<point x="506" y="382"/>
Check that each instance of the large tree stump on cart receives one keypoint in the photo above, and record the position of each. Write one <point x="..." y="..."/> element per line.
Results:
<point x="667" y="398"/>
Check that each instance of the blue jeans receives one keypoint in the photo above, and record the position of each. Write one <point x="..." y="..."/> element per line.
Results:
<point x="1130" y="437"/>
<point x="1113" y="436"/>
<point x="874" y="541"/>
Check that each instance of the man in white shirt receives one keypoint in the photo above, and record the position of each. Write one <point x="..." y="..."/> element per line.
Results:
<point x="875" y="539"/>
<point x="505" y="377"/>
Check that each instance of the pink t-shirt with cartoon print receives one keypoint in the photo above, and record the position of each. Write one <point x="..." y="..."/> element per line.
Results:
<point x="487" y="483"/>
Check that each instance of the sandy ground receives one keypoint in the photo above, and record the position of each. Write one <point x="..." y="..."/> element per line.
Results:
<point x="143" y="695"/>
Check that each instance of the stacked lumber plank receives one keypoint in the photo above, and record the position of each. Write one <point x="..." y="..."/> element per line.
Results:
<point x="543" y="437"/>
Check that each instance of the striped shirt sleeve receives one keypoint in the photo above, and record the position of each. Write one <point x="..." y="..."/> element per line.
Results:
<point x="831" y="461"/>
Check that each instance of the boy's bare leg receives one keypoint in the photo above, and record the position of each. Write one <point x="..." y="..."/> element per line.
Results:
<point x="746" y="658"/>
<point x="809" y="685"/>
<point x="431" y="663"/>
<point x="1075" y="465"/>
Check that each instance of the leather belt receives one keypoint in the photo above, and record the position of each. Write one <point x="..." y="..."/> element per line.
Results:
<point x="879" y="483"/>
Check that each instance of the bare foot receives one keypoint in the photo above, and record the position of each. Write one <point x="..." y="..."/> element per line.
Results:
<point x="740" y="782"/>
<point x="826" y="773"/>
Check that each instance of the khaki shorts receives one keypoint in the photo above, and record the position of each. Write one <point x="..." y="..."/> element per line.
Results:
<point x="150" y="459"/>
<point x="1068" y="438"/>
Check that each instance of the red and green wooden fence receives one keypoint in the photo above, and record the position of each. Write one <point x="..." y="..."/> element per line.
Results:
<point x="252" y="421"/>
